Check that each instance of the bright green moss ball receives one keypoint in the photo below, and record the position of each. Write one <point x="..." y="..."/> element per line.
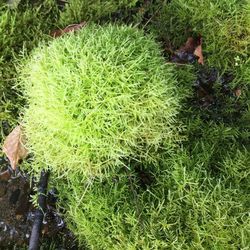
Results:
<point x="97" y="98"/>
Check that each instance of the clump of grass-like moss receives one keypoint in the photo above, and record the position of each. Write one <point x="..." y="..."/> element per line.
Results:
<point x="195" y="198"/>
<point x="223" y="25"/>
<point x="82" y="10"/>
<point x="99" y="97"/>
<point x="21" y="29"/>
<point x="182" y="204"/>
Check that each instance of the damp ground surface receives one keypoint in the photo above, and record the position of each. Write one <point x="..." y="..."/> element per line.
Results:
<point x="18" y="213"/>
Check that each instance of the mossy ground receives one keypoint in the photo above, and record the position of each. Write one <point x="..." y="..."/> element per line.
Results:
<point x="21" y="30"/>
<point x="126" y="110"/>
<point x="198" y="196"/>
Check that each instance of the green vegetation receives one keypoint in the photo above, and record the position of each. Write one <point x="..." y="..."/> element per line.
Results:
<point x="21" y="29"/>
<point x="180" y="205"/>
<point x="176" y="172"/>
<point x="77" y="11"/>
<point x="224" y="26"/>
<point x="97" y="98"/>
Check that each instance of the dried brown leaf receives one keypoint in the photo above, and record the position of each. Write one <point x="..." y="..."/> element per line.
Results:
<point x="69" y="28"/>
<point x="237" y="92"/>
<point x="14" y="147"/>
<point x="189" y="46"/>
<point x="189" y="52"/>
<point x="198" y="52"/>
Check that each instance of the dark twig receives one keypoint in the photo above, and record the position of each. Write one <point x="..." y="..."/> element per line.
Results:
<point x="39" y="213"/>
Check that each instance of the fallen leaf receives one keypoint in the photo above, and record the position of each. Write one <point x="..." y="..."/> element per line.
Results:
<point x="14" y="148"/>
<point x="189" y="46"/>
<point x="237" y="92"/>
<point x="19" y="216"/>
<point x="69" y="28"/>
<point x="189" y="52"/>
<point x="198" y="52"/>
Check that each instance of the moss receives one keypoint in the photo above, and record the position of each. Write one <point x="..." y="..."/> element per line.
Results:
<point x="184" y="206"/>
<point x="196" y="198"/>
<point x="77" y="10"/>
<point x="193" y="197"/>
<point x="223" y="25"/>
<point x="21" y="29"/>
<point x="99" y="97"/>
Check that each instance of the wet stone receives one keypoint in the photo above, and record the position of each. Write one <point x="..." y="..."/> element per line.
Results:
<point x="183" y="57"/>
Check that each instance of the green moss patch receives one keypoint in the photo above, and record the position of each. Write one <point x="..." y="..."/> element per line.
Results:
<point x="104" y="101"/>
<point x="182" y="204"/>
<point x="21" y="29"/>
<point x="77" y="11"/>
<point x="223" y="25"/>
<point x="99" y="97"/>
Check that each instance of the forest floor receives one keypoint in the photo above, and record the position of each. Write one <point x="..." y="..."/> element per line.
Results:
<point x="208" y="179"/>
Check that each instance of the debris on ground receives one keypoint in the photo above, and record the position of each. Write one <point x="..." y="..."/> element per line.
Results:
<point x="69" y="28"/>
<point x="190" y="52"/>
<point x="14" y="147"/>
<point x="18" y="213"/>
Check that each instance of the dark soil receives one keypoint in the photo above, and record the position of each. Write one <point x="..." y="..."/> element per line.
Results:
<point x="17" y="213"/>
<point x="214" y="98"/>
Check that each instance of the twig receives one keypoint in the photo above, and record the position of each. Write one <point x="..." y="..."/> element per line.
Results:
<point x="39" y="213"/>
<point x="150" y="19"/>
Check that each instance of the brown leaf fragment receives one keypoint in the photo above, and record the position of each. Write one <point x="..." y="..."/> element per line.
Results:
<point x="69" y="28"/>
<point x="189" y="52"/>
<point x="237" y="92"/>
<point x="189" y="46"/>
<point x="198" y="52"/>
<point x="14" y="147"/>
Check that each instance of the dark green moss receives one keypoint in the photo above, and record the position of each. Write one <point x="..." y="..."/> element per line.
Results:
<point x="77" y="11"/>
<point x="21" y="30"/>
<point x="223" y="25"/>
<point x="185" y="205"/>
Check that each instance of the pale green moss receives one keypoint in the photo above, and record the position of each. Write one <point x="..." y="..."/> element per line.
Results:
<point x="97" y="98"/>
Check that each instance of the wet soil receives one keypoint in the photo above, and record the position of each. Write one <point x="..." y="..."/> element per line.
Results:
<point x="17" y="214"/>
<point x="214" y="98"/>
